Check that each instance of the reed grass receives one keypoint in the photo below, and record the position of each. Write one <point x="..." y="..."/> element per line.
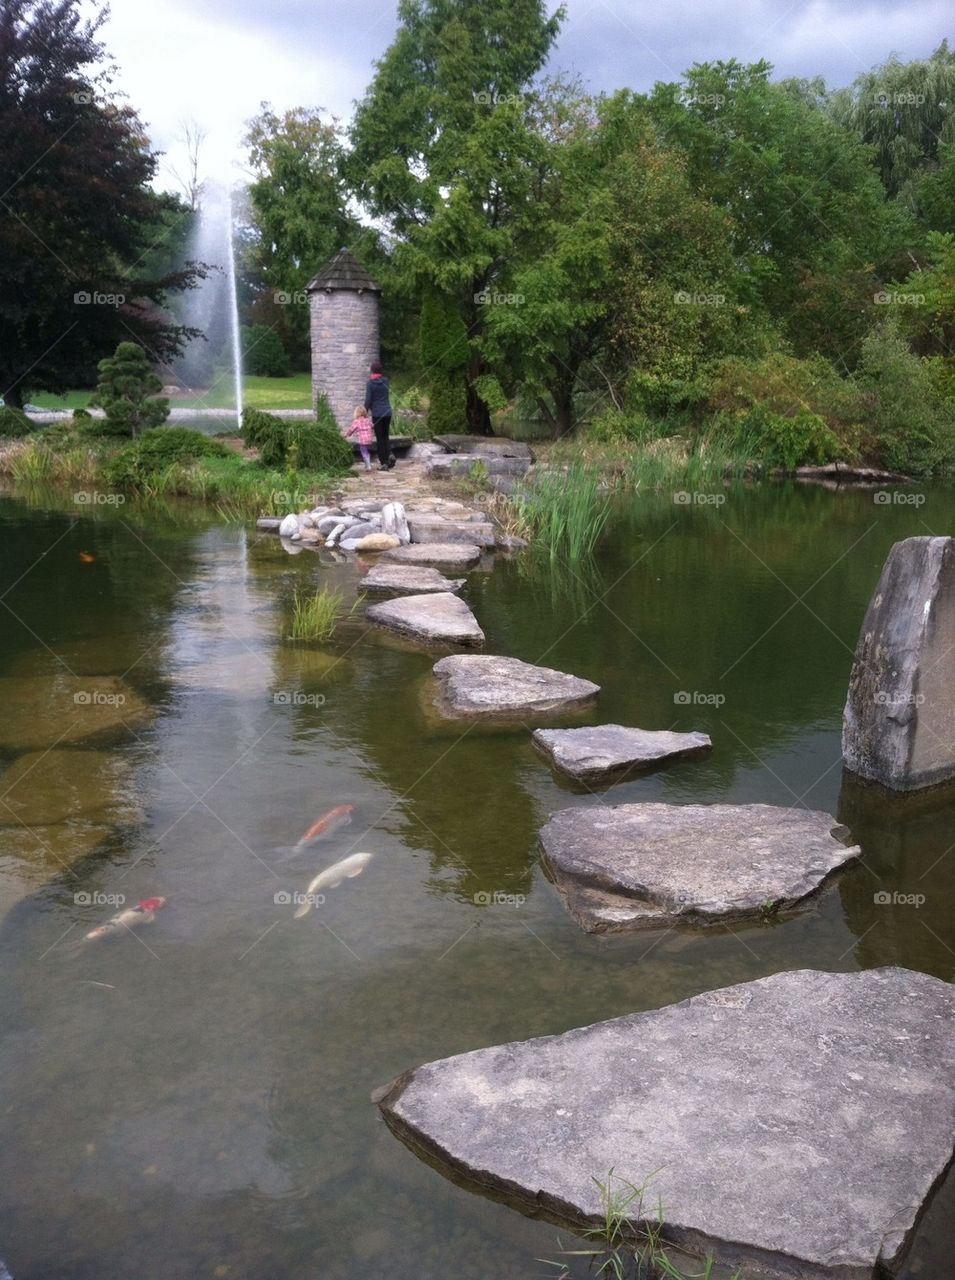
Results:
<point x="566" y="510"/>
<point x="316" y="615"/>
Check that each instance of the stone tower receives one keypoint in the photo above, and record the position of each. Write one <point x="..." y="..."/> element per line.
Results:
<point x="343" y="309"/>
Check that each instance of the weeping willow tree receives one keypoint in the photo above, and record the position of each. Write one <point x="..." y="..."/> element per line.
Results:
<point x="905" y="111"/>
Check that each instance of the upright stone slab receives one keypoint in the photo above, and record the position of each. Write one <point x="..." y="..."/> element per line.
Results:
<point x="795" y="1126"/>
<point x="899" y="723"/>
<point x="343" y="312"/>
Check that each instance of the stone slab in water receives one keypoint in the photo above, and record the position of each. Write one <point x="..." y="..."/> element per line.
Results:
<point x="900" y="710"/>
<point x="490" y="447"/>
<point x="628" y="866"/>
<point x="439" y="617"/>
<point x="479" y="534"/>
<point x="47" y="711"/>
<point x="491" y="686"/>
<point x="408" y="579"/>
<point x="45" y="787"/>
<point x="795" y="1125"/>
<point x="268" y="524"/>
<point x="452" y="555"/>
<point x="604" y="751"/>
<point x="455" y="465"/>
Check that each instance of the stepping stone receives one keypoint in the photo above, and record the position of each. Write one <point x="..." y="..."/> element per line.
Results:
<point x="897" y="729"/>
<point x="455" y="465"/>
<point x="438" y="617"/>
<point x="605" y="751"/>
<point x="47" y="787"/>
<point x="484" y="446"/>
<point x="620" y="868"/>
<point x="407" y="580"/>
<point x="452" y="555"/>
<point x="42" y="712"/>
<point x="435" y="529"/>
<point x="794" y="1126"/>
<point x="268" y="524"/>
<point x="489" y="686"/>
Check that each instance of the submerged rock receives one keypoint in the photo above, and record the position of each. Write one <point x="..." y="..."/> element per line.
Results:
<point x="486" y="685"/>
<point x="794" y="1126"/>
<point x="633" y="865"/>
<point x="456" y="555"/>
<point x="43" y="711"/>
<point x="408" y="580"/>
<point x="604" y="751"/>
<point x="897" y="728"/>
<point x="44" y="787"/>
<point x="439" y="617"/>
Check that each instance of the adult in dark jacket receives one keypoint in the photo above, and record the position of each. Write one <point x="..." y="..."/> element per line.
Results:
<point x="379" y="406"/>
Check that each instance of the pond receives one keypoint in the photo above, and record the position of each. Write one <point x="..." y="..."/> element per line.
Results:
<point x="194" y="1100"/>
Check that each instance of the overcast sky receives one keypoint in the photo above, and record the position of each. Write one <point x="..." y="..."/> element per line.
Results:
<point x="216" y="60"/>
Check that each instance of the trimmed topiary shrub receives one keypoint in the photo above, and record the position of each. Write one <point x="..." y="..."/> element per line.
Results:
<point x="14" y="423"/>
<point x="127" y="392"/>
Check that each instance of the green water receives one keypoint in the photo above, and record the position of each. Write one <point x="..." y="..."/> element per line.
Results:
<point x="196" y="1102"/>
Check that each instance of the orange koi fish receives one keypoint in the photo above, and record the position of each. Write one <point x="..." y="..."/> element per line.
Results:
<point x="340" y="816"/>
<point x="87" y="558"/>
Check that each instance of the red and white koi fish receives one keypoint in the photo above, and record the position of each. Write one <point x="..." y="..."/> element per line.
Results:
<point x="331" y="877"/>
<point x="144" y="912"/>
<point x="340" y="816"/>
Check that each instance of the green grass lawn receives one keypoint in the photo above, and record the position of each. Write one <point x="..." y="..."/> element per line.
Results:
<point x="294" y="392"/>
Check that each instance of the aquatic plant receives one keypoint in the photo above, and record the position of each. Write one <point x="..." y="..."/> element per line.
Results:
<point x="315" y="616"/>
<point x="566" y="510"/>
<point x="628" y="1243"/>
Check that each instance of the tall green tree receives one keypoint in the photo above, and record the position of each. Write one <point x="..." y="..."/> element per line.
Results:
<point x="76" y="208"/>
<point x="299" y="209"/>
<point x="440" y="148"/>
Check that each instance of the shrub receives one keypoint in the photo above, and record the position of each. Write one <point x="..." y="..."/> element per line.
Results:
<point x="447" y="406"/>
<point x="263" y="355"/>
<point x="126" y="390"/>
<point x="313" y="446"/>
<point x="785" y="385"/>
<point x="320" y="447"/>
<point x="14" y="423"/>
<point x="614" y="426"/>
<point x="777" y="440"/>
<point x="267" y="433"/>
<point x="162" y="448"/>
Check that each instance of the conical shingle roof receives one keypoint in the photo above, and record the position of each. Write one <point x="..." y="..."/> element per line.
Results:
<point x="344" y="271"/>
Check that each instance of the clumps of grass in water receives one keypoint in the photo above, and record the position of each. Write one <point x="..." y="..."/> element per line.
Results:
<point x="566" y="511"/>
<point x="315" y="616"/>
<point x="628" y="1244"/>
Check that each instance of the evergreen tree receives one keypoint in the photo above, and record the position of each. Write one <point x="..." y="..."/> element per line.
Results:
<point x="127" y="392"/>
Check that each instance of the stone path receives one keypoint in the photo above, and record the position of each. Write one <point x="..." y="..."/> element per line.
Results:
<point x="795" y="1125"/>
<point x="435" y="617"/>
<point x="493" y="687"/>
<point x="604" y="752"/>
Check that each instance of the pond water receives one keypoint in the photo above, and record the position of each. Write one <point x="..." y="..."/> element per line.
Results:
<point x="194" y="1101"/>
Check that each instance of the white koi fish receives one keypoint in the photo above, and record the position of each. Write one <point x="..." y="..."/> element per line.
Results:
<point x="331" y="877"/>
<point x="144" y="912"/>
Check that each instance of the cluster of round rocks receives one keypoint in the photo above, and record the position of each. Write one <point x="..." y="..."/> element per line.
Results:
<point x="367" y="526"/>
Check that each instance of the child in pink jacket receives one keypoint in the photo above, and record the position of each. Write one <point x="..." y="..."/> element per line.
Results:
<point x="361" y="428"/>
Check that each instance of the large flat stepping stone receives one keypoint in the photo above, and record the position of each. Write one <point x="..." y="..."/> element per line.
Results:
<point x="46" y="711"/>
<point x="485" y="446"/>
<point x="455" y="465"/>
<point x="795" y="1125"/>
<point x="434" y="528"/>
<point x="624" y="867"/>
<point x="436" y="617"/>
<point x="602" y="752"/>
<point x="451" y="555"/>
<point x="407" y="579"/>
<point x="490" y="686"/>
